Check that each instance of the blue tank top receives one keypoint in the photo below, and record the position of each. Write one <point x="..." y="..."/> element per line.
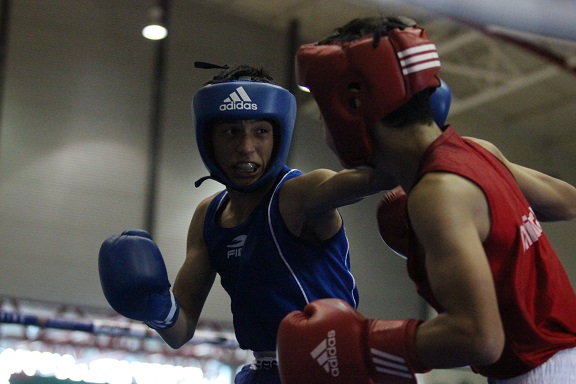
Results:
<point x="268" y="272"/>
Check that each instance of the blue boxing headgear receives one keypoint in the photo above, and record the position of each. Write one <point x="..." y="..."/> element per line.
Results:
<point x="244" y="100"/>
<point x="440" y="101"/>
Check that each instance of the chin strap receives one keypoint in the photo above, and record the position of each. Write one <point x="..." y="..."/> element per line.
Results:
<point x="198" y="182"/>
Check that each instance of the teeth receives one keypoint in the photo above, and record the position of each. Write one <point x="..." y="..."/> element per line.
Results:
<point x="247" y="166"/>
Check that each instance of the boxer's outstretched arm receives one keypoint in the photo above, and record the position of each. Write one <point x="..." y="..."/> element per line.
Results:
<point x="551" y="199"/>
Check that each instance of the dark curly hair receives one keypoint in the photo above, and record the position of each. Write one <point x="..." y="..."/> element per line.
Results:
<point x="360" y="27"/>
<point x="243" y="72"/>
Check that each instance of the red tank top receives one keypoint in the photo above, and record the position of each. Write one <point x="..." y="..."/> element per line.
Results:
<point x="536" y="300"/>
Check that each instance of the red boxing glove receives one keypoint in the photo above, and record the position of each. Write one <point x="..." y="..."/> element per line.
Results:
<point x="393" y="223"/>
<point x="323" y="344"/>
<point x="331" y="342"/>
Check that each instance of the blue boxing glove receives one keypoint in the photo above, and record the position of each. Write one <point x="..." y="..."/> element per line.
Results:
<point x="134" y="279"/>
<point x="440" y="101"/>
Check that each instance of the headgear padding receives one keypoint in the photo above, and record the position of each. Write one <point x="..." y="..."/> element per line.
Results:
<point x="358" y="83"/>
<point x="244" y="100"/>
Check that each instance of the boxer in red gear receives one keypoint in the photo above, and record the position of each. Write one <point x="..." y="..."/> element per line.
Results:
<point x="474" y="244"/>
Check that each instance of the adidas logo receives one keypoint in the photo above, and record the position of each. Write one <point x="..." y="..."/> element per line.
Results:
<point x="238" y="99"/>
<point x="419" y="58"/>
<point x="325" y="354"/>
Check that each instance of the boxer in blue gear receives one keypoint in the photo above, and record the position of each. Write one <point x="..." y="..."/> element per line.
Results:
<point x="274" y="234"/>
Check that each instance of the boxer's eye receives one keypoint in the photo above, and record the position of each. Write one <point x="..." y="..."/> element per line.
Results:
<point x="354" y="102"/>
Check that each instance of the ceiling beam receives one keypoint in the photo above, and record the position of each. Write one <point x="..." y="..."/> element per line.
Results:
<point x="480" y="98"/>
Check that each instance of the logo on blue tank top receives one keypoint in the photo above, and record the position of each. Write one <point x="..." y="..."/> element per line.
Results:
<point x="235" y="249"/>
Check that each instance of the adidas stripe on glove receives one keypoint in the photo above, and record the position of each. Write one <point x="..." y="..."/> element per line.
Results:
<point x="331" y="342"/>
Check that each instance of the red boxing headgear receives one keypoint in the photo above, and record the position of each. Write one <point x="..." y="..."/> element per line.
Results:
<point x="357" y="83"/>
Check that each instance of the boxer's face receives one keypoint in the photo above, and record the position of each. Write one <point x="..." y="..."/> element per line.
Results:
<point x="243" y="149"/>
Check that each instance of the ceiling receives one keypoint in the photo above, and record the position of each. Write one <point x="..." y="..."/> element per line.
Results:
<point x="499" y="74"/>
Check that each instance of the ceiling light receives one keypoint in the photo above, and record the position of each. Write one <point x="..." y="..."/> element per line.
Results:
<point x="156" y="29"/>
